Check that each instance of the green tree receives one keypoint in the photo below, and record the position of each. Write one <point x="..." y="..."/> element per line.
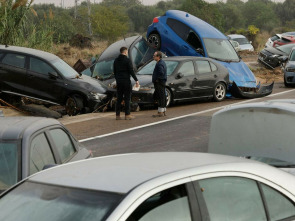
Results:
<point x="123" y="3"/>
<point x="109" y="22"/>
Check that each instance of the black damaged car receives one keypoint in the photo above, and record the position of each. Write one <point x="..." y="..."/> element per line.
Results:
<point x="274" y="57"/>
<point x="43" y="76"/>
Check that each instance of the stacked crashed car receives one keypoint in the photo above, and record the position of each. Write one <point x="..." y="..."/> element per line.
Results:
<point x="188" y="78"/>
<point x="262" y="131"/>
<point x="275" y="57"/>
<point x="151" y="187"/>
<point x="30" y="144"/>
<point x="139" y="52"/>
<point x="289" y="69"/>
<point x="44" y="76"/>
<point x="178" y="33"/>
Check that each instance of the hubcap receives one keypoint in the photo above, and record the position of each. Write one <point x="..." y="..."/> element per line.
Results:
<point x="220" y="92"/>
<point x="168" y="97"/>
<point x="154" y="41"/>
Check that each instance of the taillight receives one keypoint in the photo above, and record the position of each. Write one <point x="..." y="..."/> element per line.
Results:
<point x="155" y="20"/>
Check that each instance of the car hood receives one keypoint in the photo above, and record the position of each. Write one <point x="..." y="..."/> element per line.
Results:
<point x="248" y="130"/>
<point x="290" y="64"/>
<point x="90" y="84"/>
<point x="271" y="51"/>
<point x="240" y="73"/>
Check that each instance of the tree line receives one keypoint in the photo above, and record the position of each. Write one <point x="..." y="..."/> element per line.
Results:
<point x="41" y="26"/>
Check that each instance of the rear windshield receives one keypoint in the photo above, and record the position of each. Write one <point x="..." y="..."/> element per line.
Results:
<point x="8" y="164"/>
<point x="35" y="202"/>
<point x="149" y="68"/>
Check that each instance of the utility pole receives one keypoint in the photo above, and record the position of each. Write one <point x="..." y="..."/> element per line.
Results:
<point x="89" y="17"/>
<point x="76" y="6"/>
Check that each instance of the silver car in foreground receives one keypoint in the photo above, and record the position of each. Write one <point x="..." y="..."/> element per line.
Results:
<point x="153" y="187"/>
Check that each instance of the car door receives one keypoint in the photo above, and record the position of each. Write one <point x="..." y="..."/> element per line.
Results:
<point x="206" y="77"/>
<point x="183" y="82"/>
<point x="240" y="198"/>
<point x="40" y="84"/>
<point x="13" y="72"/>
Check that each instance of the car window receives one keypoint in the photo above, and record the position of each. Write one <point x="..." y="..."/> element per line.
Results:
<point x="187" y="69"/>
<point x="40" y="154"/>
<point x="179" y="28"/>
<point x="136" y="56"/>
<point x="275" y="37"/>
<point x="104" y="69"/>
<point x="40" y="66"/>
<point x="279" y="206"/>
<point x="1" y="54"/>
<point x="149" y="68"/>
<point x="292" y="56"/>
<point x="8" y="164"/>
<point x="203" y="67"/>
<point x="232" y="198"/>
<point x="169" y="205"/>
<point x="193" y="40"/>
<point x="242" y="41"/>
<point x="63" y="144"/>
<point x="213" y="66"/>
<point x="14" y="60"/>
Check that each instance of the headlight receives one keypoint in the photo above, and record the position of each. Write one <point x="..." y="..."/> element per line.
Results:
<point x="98" y="96"/>
<point x="290" y="69"/>
<point x="274" y="56"/>
<point x="145" y="88"/>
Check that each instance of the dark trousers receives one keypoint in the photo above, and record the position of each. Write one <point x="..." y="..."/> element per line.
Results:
<point x="123" y="92"/>
<point x="160" y="94"/>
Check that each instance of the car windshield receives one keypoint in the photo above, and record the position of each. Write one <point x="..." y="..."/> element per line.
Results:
<point x="242" y="41"/>
<point x="286" y="48"/>
<point x="35" y="202"/>
<point x="103" y="69"/>
<point x="141" y="53"/>
<point x="220" y="49"/>
<point x="149" y="68"/>
<point x="8" y="164"/>
<point x="65" y="69"/>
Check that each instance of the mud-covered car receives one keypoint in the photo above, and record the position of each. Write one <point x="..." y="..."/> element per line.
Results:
<point x="188" y="78"/>
<point x="43" y="76"/>
<point x="30" y="144"/>
<point x="289" y="69"/>
<point x="260" y="131"/>
<point x="178" y="33"/>
<point x="275" y="57"/>
<point x="139" y="51"/>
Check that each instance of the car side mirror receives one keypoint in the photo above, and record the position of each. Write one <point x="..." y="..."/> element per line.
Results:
<point x="179" y="75"/>
<point x="200" y="51"/>
<point x="53" y="75"/>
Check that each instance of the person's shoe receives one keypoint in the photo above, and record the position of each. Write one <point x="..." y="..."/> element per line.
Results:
<point x="159" y="114"/>
<point x="129" y="117"/>
<point x="118" y="118"/>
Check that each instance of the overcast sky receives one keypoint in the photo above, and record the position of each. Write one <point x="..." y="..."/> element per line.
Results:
<point x="69" y="3"/>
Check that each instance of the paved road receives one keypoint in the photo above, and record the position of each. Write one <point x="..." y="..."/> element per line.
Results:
<point x="185" y="129"/>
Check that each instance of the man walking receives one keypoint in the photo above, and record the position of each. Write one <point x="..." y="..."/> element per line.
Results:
<point x="159" y="80"/>
<point x="123" y="70"/>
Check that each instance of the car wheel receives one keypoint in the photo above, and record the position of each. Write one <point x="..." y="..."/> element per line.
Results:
<point x="155" y="41"/>
<point x="74" y="105"/>
<point x="219" y="92"/>
<point x="169" y="97"/>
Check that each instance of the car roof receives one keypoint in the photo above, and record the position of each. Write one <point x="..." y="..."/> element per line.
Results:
<point x="202" y="28"/>
<point x="122" y="173"/>
<point x="113" y="50"/>
<point x="30" y="51"/>
<point x="183" y="58"/>
<point x="236" y="36"/>
<point x="13" y="128"/>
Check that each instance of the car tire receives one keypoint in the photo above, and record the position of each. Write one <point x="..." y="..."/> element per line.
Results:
<point x="155" y="41"/>
<point x="74" y="105"/>
<point x="169" y="97"/>
<point x="219" y="92"/>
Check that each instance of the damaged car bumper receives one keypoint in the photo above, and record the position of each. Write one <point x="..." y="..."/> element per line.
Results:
<point x="244" y="92"/>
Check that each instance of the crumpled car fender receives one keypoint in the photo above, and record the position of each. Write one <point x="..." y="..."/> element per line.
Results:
<point x="260" y="91"/>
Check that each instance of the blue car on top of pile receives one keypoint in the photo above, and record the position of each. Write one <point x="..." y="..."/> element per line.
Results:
<point x="178" y="33"/>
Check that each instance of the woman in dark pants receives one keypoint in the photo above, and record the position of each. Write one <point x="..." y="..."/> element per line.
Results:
<point x="159" y="80"/>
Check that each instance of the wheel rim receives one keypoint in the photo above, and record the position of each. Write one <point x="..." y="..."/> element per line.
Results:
<point x="168" y="97"/>
<point x="154" y="41"/>
<point x="71" y="106"/>
<point x="220" y="91"/>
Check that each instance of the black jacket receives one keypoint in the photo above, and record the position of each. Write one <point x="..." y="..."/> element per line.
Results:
<point x="123" y="69"/>
<point x="160" y="72"/>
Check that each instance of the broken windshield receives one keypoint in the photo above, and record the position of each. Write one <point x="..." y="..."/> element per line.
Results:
<point x="220" y="49"/>
<point x="8" y="164"/>
<point x="103" y="69"/>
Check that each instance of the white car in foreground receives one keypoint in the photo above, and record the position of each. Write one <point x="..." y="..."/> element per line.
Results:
<point x="153" y="187"/>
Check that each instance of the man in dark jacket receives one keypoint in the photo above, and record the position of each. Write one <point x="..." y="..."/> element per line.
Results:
<point x="123" y="70"/>
<point x="159" y="80"/>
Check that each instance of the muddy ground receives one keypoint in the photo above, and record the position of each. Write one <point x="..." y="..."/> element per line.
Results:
<point x="30" y="109"/>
